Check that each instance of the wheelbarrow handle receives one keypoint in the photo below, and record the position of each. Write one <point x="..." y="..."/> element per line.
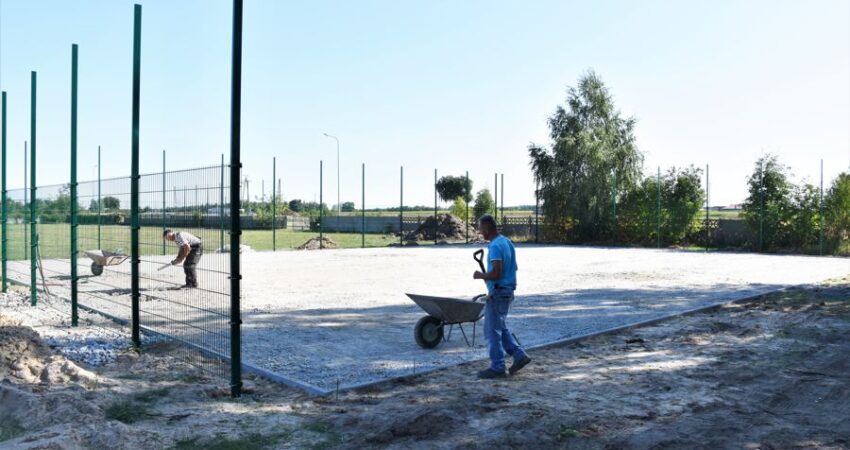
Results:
<point x="479" y="256"/>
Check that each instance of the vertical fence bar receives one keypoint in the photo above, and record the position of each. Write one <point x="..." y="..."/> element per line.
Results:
<point x="220" y="206"/>
<point x="26" y="196"/>
<point x="820" y="212"/>
<point x="74" y="315"/>
<point x="401" y="207"/>
<point x="134" y="177"/>
<point x="502" y="200"/>
<point x="707" y="197"/>
<point x="33" y="231"/>
<point x="363" y="205"/>
<point x="537" y="213"/>
<point x="164" y="225"/>
<point x="496" y="197"/>
<point x="274" y="205"/>
<point x="5" y="242"/>
<point x="99" y="203"/>
<point x="235" y="219"/>
<point x="761" y="207"/>
<point x="466" y="200"/>
<point x="436" y="223"/>
<point x="321" y="206"/>
<point x="614" y="206"/>
<point x="658" y="208"/>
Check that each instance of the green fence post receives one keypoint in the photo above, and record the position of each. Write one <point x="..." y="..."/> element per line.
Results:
<point x="363" y="205"/>
<point x="26" y="189"/>
<point x="761" y="207"/>
<point x="164" y="226"/>
<point x="321" y="206"/>
<point x="707" y="196"/>
<point x="466" y="211"/>
<point x="614" y="206"/>
<point x="4" y="246"/>
<point x="496" y="197"/>
<point x="235" y="219"/>
<point x="74" y="315"/>
<point x="274" y="205"/>
<point x="33" y="231"/>
<point x="99" y="204"/>
<point x="401" y="207"/>
<point x="502" y="200"/>
<point x="134" y="178"/>
<point x="537" y="213"/>
<point x="820" y="207"/>
<point x="436" y="225"/>
<point x="220" y="207"/>
<point x="658" y="209"/>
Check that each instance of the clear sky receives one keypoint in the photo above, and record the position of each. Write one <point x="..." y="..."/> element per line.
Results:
<point x="451" y="85"/>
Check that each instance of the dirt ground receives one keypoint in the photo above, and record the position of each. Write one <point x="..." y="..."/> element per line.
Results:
<point x="770" y="374"/>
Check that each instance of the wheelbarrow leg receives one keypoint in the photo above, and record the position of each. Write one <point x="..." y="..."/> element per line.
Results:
<point x="446" y="339"/>
<point x="464" y="335"/>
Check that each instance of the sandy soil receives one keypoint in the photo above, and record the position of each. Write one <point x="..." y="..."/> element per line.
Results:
<point x="341" y="316"/>
<point x="769" y="374"/>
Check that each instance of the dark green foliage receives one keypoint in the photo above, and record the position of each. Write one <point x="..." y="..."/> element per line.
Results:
<point x="450" y="187"/>
<point x="295" y="205"/>
<point x="768" y="207"/>
<point x="347" y="207"/>
<point x="591" y="147"/>
<point x="682" y="197"/>
<point x="111" y="203"/>
<point x="483" y="204"/>
<point x="837" y="212"/>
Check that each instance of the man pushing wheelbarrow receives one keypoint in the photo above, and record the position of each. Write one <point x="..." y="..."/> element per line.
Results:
<point x="501" y="283"/>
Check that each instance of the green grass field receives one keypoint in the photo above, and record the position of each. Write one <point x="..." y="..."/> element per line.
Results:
<point x="54" y="239"/>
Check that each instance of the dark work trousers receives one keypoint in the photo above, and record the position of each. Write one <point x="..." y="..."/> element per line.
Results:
<point x="190" y="264"/>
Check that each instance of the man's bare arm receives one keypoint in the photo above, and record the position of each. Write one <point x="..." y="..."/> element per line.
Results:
<point x="181" y="255"/>
<point x="494" y="274"/>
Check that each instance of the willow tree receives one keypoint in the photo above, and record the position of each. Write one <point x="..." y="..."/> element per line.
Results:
<point x="591" y="161"/>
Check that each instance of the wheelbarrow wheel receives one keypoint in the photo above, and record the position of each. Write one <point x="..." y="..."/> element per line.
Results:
<point x="96" y="269"/>
<point x="428" y="332"/>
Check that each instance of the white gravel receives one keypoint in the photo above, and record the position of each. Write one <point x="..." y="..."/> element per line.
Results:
<point x="331" y="316"/>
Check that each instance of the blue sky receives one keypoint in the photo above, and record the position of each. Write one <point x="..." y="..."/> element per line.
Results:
<point x="449" y="85"/>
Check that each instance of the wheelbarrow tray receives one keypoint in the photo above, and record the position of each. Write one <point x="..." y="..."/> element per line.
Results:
<point x="449" y="310"/>
<point x="103" y="258"/>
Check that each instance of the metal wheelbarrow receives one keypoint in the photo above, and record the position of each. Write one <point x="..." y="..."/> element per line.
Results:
<point x="442" y="311"/>
<point x="101" y="258"/>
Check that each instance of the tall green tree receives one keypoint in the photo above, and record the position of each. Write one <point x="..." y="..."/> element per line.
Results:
<point x="837" y="211"/>
<point x="681" y="197"/>
<point x="768" y="207"/>
<point x="451" y="187"/>
<point x="484" y="204"/>
<point x="592" y="157"/>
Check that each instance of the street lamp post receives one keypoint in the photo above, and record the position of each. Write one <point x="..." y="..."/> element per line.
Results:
<point x="337" y="176"/>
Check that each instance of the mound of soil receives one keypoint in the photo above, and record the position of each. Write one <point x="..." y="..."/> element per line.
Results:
<point x="314" y="244"/>
<point x="25" y="358"/>
<point x="446" y="227"/>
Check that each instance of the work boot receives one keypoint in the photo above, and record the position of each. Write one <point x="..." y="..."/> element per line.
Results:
<point x="490" y="374"/>
<point x="518" y="365"/>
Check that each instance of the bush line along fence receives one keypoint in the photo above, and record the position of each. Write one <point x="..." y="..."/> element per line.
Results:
<point x="131" y="279"/>
<point x="668" y="209"/>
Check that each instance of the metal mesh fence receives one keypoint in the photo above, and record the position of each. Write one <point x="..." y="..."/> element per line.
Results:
<point x="194" y="201"/>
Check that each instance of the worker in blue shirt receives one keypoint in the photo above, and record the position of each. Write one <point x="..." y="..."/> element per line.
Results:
<point x="501" y="283"/>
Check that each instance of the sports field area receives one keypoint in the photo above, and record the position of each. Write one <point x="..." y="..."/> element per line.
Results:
<point x="316" y="319"/>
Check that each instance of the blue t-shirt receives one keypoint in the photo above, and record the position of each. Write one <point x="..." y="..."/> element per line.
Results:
<point x="502" y="249"/>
